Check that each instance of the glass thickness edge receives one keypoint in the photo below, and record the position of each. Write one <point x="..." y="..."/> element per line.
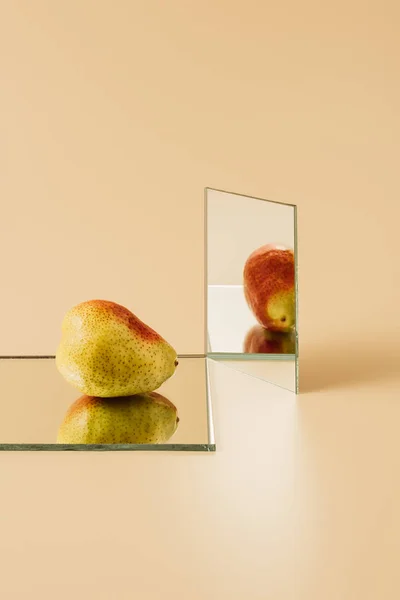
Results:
<point x="296" y="294"/>
<point x="247" y="196"/>
<point x="108" y="447"/>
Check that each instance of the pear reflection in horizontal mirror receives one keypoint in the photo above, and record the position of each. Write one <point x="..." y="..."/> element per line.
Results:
<point x="140" y="419"/>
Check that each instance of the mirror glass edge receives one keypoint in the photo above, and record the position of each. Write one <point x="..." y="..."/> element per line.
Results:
<point x="296" y="294"/>
<point x="108" y="447"/>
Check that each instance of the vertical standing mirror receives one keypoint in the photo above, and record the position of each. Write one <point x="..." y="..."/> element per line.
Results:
<point x="252" y="299"/>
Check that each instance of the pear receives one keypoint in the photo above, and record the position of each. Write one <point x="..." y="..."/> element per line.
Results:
<point x="259" y="340"/>
<point x="269" y="286"/>
<point x="106" y="351"/>
<point x="142" y="419"/>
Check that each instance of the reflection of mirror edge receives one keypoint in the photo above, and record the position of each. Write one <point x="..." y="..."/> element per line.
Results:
<point x="210" y="419"/>
<point x="249" y="357"/>
<point x="251" y="375"/>
<point x="246" y="356"/>
<point x="209" y="447"/>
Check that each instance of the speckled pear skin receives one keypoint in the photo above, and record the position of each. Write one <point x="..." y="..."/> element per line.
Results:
<point x="142" y="419"/>
<point x="269" y="286"/>
<point x="260" y="340"/>
<point x="106" y="351"/>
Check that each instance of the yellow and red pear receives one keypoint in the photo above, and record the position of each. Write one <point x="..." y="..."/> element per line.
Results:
<point x="106" y="351"/>
<point x="269" y="286"/>
<point x="141" y="419"/>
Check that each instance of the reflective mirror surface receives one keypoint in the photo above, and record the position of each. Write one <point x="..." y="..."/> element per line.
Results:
<point x="36" y="400"/>
<point x="251" y="264"/>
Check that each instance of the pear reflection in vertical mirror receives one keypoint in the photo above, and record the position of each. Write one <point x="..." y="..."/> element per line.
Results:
<point x="251" y="248"/>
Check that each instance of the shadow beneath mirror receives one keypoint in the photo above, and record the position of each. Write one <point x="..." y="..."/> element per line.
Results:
<point x="336" y="365"/>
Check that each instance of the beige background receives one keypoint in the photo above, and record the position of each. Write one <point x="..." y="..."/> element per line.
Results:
<point x="236" y="226"/>
<point x="156" y="100"/>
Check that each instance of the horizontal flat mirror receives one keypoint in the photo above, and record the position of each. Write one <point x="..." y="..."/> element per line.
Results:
<point x="41" y="411"/>
<point x="251" y="280"/>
